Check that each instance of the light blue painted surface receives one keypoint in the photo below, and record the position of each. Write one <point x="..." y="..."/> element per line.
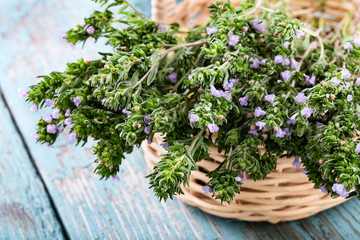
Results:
<point x="93" y="209"/>
<point x="25" y="210"/>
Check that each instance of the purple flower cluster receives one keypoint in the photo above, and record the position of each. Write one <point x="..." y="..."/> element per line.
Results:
<point x="193" y="117"/>
<point x="254" y="132"/>
<point x="220" y="93"/>
<point x="173" y="77"/>
<point x="244" y="101"/>
<point x="164" y="145"/>
<point x="47" y="117"/>
<point x="51" y="128"/>
<point x="299" y="33"/>
<point x="90" y="30"/>
<point x="335" y="81"/>
<point x="306" y="112"/>
<point x="259" y="112"/>
<point x="34" y="108"/>
<point x="161" y="28"/>
<point x="127" y="112"/>
<point x="285" y="75"/>
<point x="345" y="74"/>
<point x="323" y="189"/>
<point x="340" y="189"/>
<point x="296" y="162"/>
<point x="76" y="101"/>
<point x="213" y="127"/>
<point x="261" y="125"/>
<point x="357" y="149"/>
<point x="210" y="30"/>
<point x="72" y="137"/>
<point x="233" y="39"/>
<point x="286" y="44"/>
<point x="229" y="85"/>
<point x="292" y="120"/>
<point x="270" y="98"/>
<point x="260" y="27"/>
<point x="310" y="80"/>
<point x="301" y="98"/>
<point x="22" y="93"/>
<point x="206" y="189"/>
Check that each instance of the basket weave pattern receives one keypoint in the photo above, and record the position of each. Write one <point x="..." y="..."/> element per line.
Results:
<point x="286" y="194"/>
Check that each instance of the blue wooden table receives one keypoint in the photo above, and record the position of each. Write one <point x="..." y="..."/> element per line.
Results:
<point x="53" y="193"/>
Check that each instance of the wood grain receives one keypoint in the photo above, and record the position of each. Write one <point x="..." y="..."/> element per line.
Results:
<point x="25" y="210"/>
<point x="93" y="209"/>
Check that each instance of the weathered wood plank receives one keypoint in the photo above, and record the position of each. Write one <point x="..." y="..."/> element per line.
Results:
<point x="126" y="209"/>
<point x="25" y="210"/>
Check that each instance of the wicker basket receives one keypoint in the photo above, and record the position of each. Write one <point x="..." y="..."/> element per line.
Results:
<point x="286" y="194"/>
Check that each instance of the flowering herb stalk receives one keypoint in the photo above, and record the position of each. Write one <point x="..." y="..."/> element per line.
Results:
<point x="249" y="77"/>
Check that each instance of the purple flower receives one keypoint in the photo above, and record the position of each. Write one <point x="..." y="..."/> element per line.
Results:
<point x="286" y="62"/>
<point x="310" y="81"/>
<point x="348" y="46"/>
<point x="213" y="127"/>
<point x="296" y="162"/>
<point x="301" y="98"/>
<point x="22" y="93"/>
<point x="294" y="64"/>
<point x="147" y="130"/>
<point x="244" y="178"/>
<point x="215" y="92"/>
<point x="103" y="100"/>
<point x="72" y="137"/>
<point x="285" y="75"/>
<point x="299" y="33"/>
<point x="228" y="86"/>
<point x="51" y="128"/>
<point x="308" y="156"/>
<point x="270" y="98"/>
<point x="193" y="117"/>
<point x="34" y="108"/>
<point x="345" y="74"/>
<point x="67" y="121"/>
<point x="280" y="133"/>
<point x="147" y="119"/>
<point x="323" y="189"/>
<point x="260" y="27"/>
<point x="238" y="179"/>
<point x="127" y="112"/>
<point x="76" y="101"/>
<point x="357" y="42"/>
<point x="340" y="189"/>
<point x="261" y="125"/>
<point x="60" y="129"/>
<point x="306" y="112"/>
<point x="71" y="46"/>
<point x="210" y="30"/>
<point x="67" y="113"/>
<point x="292" y="119"/>
<point x="357" y="82"/>
<point x="161" y="27"/>
<point x="259" y="112"/>
<point x="49" y="102"/>
<point x="115" y="178"/>
<point x="63" y="34"/>
<point x="288" y="131"/>
<point x="306" y="172"/>
<point x="278" y="59"/>
<point x="233" y="39"/>
<point x="349" y="98"/>
<point x="335" y="81"/>
<point x="286" y="44"/>
<point x="206" y="189"/>
<point x="55" y="114"/>
<point x="253" y="132"/>
<point x="90" y="30"/>
<point x="263" y="62"/>
<point x="47" y="145"/>
<point x="244" y="101"/>
<point x="173" y="77"/>
<point x="190" y="76"/>
<point x="35" y="136"/>
<point x="346" y="85"/>
<point x="164" y="145"/>
<point x="47" y="118"/>
<point x="149" y="140"/>
<point x="357" y="149"/>
<point x="255" y="64"/>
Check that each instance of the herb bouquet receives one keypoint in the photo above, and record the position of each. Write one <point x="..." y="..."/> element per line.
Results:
<point x="252" y="84"/>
